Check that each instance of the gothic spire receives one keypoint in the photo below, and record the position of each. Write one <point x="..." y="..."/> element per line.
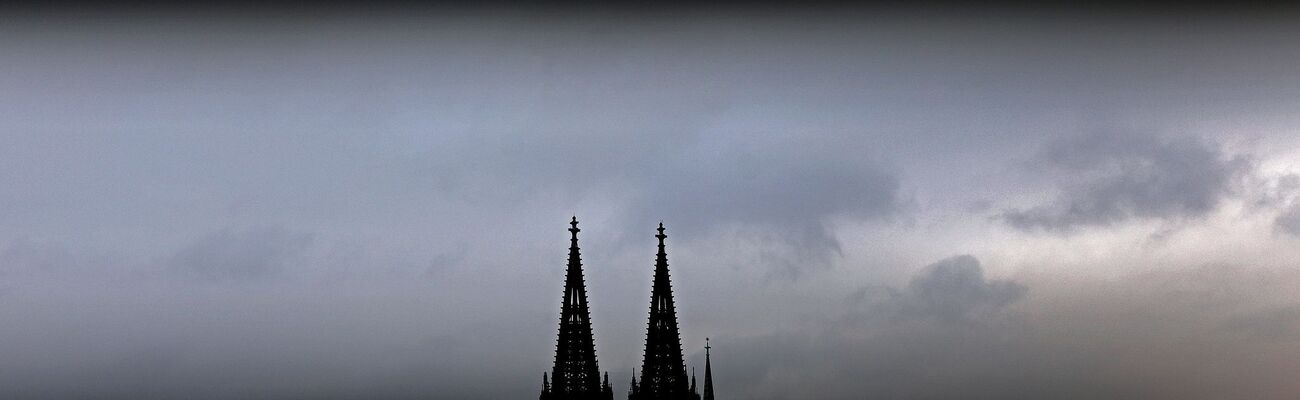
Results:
<point x="575" y="374"/>
<point x="693" y="388"/>
<point x="708" y="373"/>
<point x="663" y="372"/>
<point x="632" y="389"/>
<point x="546" y="388"/>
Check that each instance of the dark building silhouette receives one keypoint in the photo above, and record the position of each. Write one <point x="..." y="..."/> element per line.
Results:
<point x="708" y="372"/>
<point x="663" y="373"/>
<point x="575" y="375"/>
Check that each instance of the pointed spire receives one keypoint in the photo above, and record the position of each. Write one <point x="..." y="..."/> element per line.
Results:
<point x="708" y="373"/>
<point x="546" y="389"/>
<point x="632" y="388"/>
<point x="606" y="391"/>
<point x="575" y="373"/>
<point x="693" y="387"/>
<point x="663" y="372"/>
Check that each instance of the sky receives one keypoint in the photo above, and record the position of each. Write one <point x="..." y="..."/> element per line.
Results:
<point x="893" y="203"/>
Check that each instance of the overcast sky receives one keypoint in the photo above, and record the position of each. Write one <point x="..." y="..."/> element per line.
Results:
<point x="909" y="204"/>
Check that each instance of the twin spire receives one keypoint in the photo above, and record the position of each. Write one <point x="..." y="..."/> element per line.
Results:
<point x="575" y="375"/>
<point x="663" y="372"/>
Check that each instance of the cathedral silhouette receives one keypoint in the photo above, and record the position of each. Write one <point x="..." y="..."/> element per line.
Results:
<point x="576" y="376"/>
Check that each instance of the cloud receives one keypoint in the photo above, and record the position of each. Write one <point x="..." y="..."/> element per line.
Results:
<point x="1206" y="332"/>
<point x="777" y="190"/>
<point x="1278" y="194"/>
<point x="955" y="289"/>
<point x="457" y="146"/>
<point x="1289" y="220"/>
<point x="229" y="255"/>
<point x="949" y="321"/>
<point x="445" y="260"/>
<point x="1111" y="178"/>
<point x="769" y="194"/>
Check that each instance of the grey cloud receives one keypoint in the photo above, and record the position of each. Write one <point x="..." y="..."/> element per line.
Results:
<point x="1275" y="192"/>
<point x="445" y="260"/>
<point x="1280" y="195"/>
<point x="776" y="184"/>
<point x="948" y="322"/>
<point x="955" y="289"/>
<point x="1140" y="337"/>
<point x="287" y="340"/>
<point x="458" y="145"/>
<point x="230" y="255"/>
<point x="1110" y="178"/>
<point x="1289" y="220"/>
<point x="775" y="191"/>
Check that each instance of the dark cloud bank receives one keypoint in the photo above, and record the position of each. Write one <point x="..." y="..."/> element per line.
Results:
<point x="1111" y="178"/>
<point x="951" y="333"/>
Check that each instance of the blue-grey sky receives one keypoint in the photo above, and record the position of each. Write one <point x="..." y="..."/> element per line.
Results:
<point x="879" y="203"/>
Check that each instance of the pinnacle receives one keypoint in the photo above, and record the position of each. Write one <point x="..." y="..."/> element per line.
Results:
<point x="575" y="367"/>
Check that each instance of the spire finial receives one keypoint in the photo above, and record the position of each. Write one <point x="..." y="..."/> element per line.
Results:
<point x="708" y="373"/>
<point x="575" y="368"/>
<point x="661" y="234"/>
<point x="694" y="389"/>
